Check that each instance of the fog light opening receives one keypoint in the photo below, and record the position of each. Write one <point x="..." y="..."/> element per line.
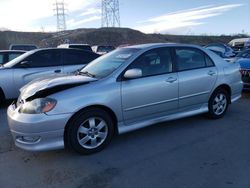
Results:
<point x="28" y="139"/>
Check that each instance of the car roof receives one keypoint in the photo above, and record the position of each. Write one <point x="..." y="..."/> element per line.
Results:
<point x="58" y="49"/>
<point x="157" y="45"/>
<point x="14" y="51"/>
<point x="240" y="40"/>
<point x="75" y="44"/>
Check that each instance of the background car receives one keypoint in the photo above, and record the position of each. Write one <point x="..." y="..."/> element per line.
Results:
<point x="25" y="47"/>
<point x="245" y="72"/>
<point x="76" y="46"/>
<point x="243" y="55"/>
<point x="239" y="44"/>
<point x="8" y="55"/>
<point x="40" y="63"/>
<point x="102" y="49"/>
<point x="124" y="90"/>
<point x="243" y="58"/>
<point x="222" y="50"/>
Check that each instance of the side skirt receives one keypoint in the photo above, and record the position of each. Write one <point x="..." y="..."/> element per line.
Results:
<point x="127" y="128"/>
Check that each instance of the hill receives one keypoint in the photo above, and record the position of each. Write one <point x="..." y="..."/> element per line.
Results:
<point x="111" y="36"/>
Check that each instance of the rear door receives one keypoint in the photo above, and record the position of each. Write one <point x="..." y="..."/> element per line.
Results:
<point x="76" y="59"/>
<point x="40" y="64"/>
<point x="197" y="76"/>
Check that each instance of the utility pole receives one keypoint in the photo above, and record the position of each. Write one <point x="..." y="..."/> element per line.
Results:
<point x="110" y="13"/>
<point x="60" y="15"/>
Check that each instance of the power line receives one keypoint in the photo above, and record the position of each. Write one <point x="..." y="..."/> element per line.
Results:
<point x="110" y="13"/>
<point x="60" y="15"/>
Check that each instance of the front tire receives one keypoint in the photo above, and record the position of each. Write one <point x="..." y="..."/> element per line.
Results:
<point x="90" y="131"/>
<point x="218" y="104"/>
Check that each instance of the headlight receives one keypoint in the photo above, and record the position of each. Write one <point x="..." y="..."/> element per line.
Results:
<point x="38" y="106"/>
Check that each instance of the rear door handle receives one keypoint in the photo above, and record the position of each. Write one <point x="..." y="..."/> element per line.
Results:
<point x="171" y="80"/>
<point x="57" y="71"/>
<point x="211" y="73"/>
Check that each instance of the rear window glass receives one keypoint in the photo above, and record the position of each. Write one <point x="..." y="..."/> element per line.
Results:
<point x="23" y="47"/>
<point x="13" y="56"/>
<point x="188" y="58"/>
<point x="1" y="58"/>
<point x="82" y="47"/>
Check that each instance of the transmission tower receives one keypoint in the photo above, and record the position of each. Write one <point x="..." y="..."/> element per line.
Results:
<point x="60" y="15"/>
<point x="110" y="13"/>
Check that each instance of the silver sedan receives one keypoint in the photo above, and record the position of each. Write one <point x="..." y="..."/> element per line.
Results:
<point x="127" y="89"/>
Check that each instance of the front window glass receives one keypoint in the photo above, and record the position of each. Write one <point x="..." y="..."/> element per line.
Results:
<point x="154" y="62"/>
<point x="105" y="65"/>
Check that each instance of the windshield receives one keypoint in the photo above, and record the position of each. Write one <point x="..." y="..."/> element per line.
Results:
<point x="18" y="59"/>
<point x="105" y="65"/>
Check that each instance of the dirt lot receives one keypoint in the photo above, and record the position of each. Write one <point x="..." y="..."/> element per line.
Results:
<point x="192" y="152"/>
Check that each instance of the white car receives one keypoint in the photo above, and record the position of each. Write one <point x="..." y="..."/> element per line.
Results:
<point x="39" y="63"/>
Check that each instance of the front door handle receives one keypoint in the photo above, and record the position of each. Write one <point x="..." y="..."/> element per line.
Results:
<point x="171" y="80"/>
<point x="57" y="71"/>
<point x="211" y="73"/>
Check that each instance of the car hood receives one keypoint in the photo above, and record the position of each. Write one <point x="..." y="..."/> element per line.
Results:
<point x="43" y="87"/>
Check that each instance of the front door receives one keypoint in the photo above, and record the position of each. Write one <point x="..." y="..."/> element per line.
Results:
<point x="154" y="94"/>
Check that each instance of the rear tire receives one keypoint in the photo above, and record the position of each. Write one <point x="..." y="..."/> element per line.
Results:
<point x="90" y="131"/>
<point x="218" y="103"/>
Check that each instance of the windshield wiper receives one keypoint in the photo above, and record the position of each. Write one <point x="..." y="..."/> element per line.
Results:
<point x="87" y="74"/>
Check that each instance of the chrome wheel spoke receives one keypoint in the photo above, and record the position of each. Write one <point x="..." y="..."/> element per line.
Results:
<point x="83" y="130"/>
<point x="102" y="135"/>
<point x="101" y="125"/>
<point x="84" y="140"/>
<point x="215" y="106"/>
<point x="92" y="123"/>
<point x="224" y="101"/>
<point x="218" y="110"/>
<point x="93" y="142"/>
<point x="217" y="99"/>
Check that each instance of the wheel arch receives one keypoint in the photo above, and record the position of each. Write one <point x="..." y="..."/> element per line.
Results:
<point x="105" y="108"/>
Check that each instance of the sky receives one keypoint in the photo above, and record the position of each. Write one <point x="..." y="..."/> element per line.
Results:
<point x="188" y="17"/>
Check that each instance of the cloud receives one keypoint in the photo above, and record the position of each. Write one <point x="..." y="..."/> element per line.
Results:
<point x="25" y="15"/>
<point x="75" y="23"/>
<point x="185" y="18"/>
<point x="91" y="11"/>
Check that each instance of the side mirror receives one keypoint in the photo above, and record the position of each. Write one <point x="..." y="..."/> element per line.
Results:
<point x="24" y="64"/>
<point x="133" y="73"/>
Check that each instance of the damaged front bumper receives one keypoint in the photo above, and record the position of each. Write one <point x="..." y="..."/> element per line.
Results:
<point x="37" y="132"/>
